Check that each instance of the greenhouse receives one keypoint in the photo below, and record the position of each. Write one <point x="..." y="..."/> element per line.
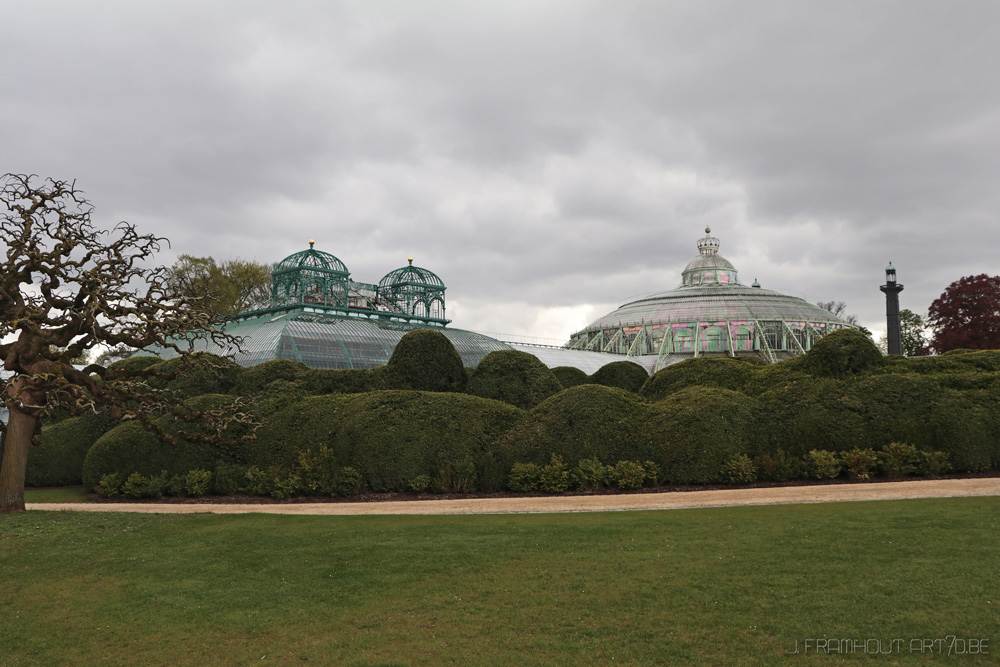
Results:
<point x="320" y="316"/>
<point x="710" y="313"/>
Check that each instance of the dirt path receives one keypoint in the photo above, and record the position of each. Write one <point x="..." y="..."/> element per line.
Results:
<point x="942" y="488"/>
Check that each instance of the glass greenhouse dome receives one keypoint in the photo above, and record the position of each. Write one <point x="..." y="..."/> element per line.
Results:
<point x="709" y="313"/>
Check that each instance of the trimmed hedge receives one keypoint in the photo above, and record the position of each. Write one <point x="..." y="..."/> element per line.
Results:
<point x="128" y="448"/>
<point x="206" y="374"/>
<point x="735" y="374"/>
<point x="62" y="448"/>
<point x="254" y="379"/>
<point x="569" y="376"/>
<point x="841" y="354"/>
<point x="626" y="375"/>
<point x="697" y="430"/>
<point x="588" y="421"/>
<point x="134" y="364"/>
<point x="298" y="424"/>
<point x="514" y="377"/>
<point x="424" y="360"/>
<point x="340" y="381"/>
<point x="392" y="437"/>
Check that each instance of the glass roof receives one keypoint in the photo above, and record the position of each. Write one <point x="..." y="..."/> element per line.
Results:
<point x="710" y="291"/>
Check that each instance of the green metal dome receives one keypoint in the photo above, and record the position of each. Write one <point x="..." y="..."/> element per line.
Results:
<point x="414" y="291"/>
<point x="311" y="259"/>
<point x="414" y="276"/>
<point x="310" y="278"/>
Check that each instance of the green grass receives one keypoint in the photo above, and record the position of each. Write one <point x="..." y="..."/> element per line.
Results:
<point x="62" y="494"/>
<point x="733" y="586"/>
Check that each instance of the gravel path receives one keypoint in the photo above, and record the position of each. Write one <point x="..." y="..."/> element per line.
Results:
<point x="939" y="488"/>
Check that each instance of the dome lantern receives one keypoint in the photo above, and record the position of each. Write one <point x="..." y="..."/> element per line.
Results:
<point x="311" y="278"/>
<point x="413" y="291"/>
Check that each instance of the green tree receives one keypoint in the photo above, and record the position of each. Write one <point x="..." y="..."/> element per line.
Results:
<point x="66" y="288"/>
<point x="913" y="338"/>
<point x="225" y="289"/>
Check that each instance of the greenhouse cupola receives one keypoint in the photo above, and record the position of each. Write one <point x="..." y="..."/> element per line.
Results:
<point x="310" y="277"/>
<point x="413" y="291"/>
<point x="709" y="268"/>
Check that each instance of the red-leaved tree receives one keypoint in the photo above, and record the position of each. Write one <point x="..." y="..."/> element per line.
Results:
<point x="967" y="315"/>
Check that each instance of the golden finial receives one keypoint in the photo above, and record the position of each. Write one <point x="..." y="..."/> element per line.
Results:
<point x="311" y="243"/>
<point x="708" y="230"/>
<point x="410" y="259"/>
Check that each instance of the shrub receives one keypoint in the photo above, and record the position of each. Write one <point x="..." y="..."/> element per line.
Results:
<point x="349" y="482"/>
<point x="513" y="377"/>
<point x="259" y="482"/>
<point x="457" y="477"/>
<point x="197" y="374"/>
<point x="554" y="477"/>
<point x="305" y="425"/>
<point x="570" y="376"/>
<point x="339" y="381"/>
<point x="627" y="475"/>
<point x="391" y="437"/>
<point x="255" y="379"/>
<point x="133" y="364"/>
<point x="841" y="354"/>
<point x="933" y="464"/>
<point x="424" y="360"/>
<point x="859" y="463"/>
<point x="524" y="477"/>
<point x="778" y="468"/>
<point x="898" y="459"/>
<point x="229" y="478"/>
<point x="626" y="375"/>
<point x="735" y="374"/>
<point x="176" y="486"/>
<point x="823" y="464"/>
<point x="197" y="483"/>
<point x="128" y="448"/>
<point x="590" y="475"/>
<point x="739" y="470"/>
<point x="110" y="485"/>
<point x="63" y="446"/>
<point x="140" y="486"/>
<point x="420" y="483"/>
<point x="808" y="410"/>
<point x="584" y="422"/>
<point x="698" y="429"/>
<point x="653" y="473"/>
<point x="317" y="471"/>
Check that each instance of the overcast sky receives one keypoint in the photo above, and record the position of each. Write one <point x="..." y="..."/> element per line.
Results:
<point x="547" y="159"/>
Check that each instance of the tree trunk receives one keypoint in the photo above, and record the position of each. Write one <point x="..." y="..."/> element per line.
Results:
<point x="20" y="430"/>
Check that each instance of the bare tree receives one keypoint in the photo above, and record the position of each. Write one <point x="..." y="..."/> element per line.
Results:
<point x="66" y="287"/>
<point x="838" y="309"/>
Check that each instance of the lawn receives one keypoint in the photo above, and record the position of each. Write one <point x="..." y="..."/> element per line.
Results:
<point x="732" y="586"/>
<point x="61" y="494"/>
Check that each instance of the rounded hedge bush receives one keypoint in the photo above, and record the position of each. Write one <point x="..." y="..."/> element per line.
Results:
<point x="735" y="374"/>
<point x="569" y="376"/>
<point x="295" y="424"/>
<point x="424" y="360"/>
<point x="697" y="430"/>
<point x="201" y="374"/>
<point x="134" y="364"/>
<point x="514" y="377"/>
<point x="63" y="446"/>
<point x="393" y="437"/>
<point x="842" y="353"/>
<point x="255" y="378"/>
<point x="128" y="448"/>
<point x="340" y="381"/>
<point x="588" y="421"/>
<point x="626" y="375"/>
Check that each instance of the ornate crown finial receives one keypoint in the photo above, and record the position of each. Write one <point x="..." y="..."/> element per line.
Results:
<point x="709" y="245"/>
